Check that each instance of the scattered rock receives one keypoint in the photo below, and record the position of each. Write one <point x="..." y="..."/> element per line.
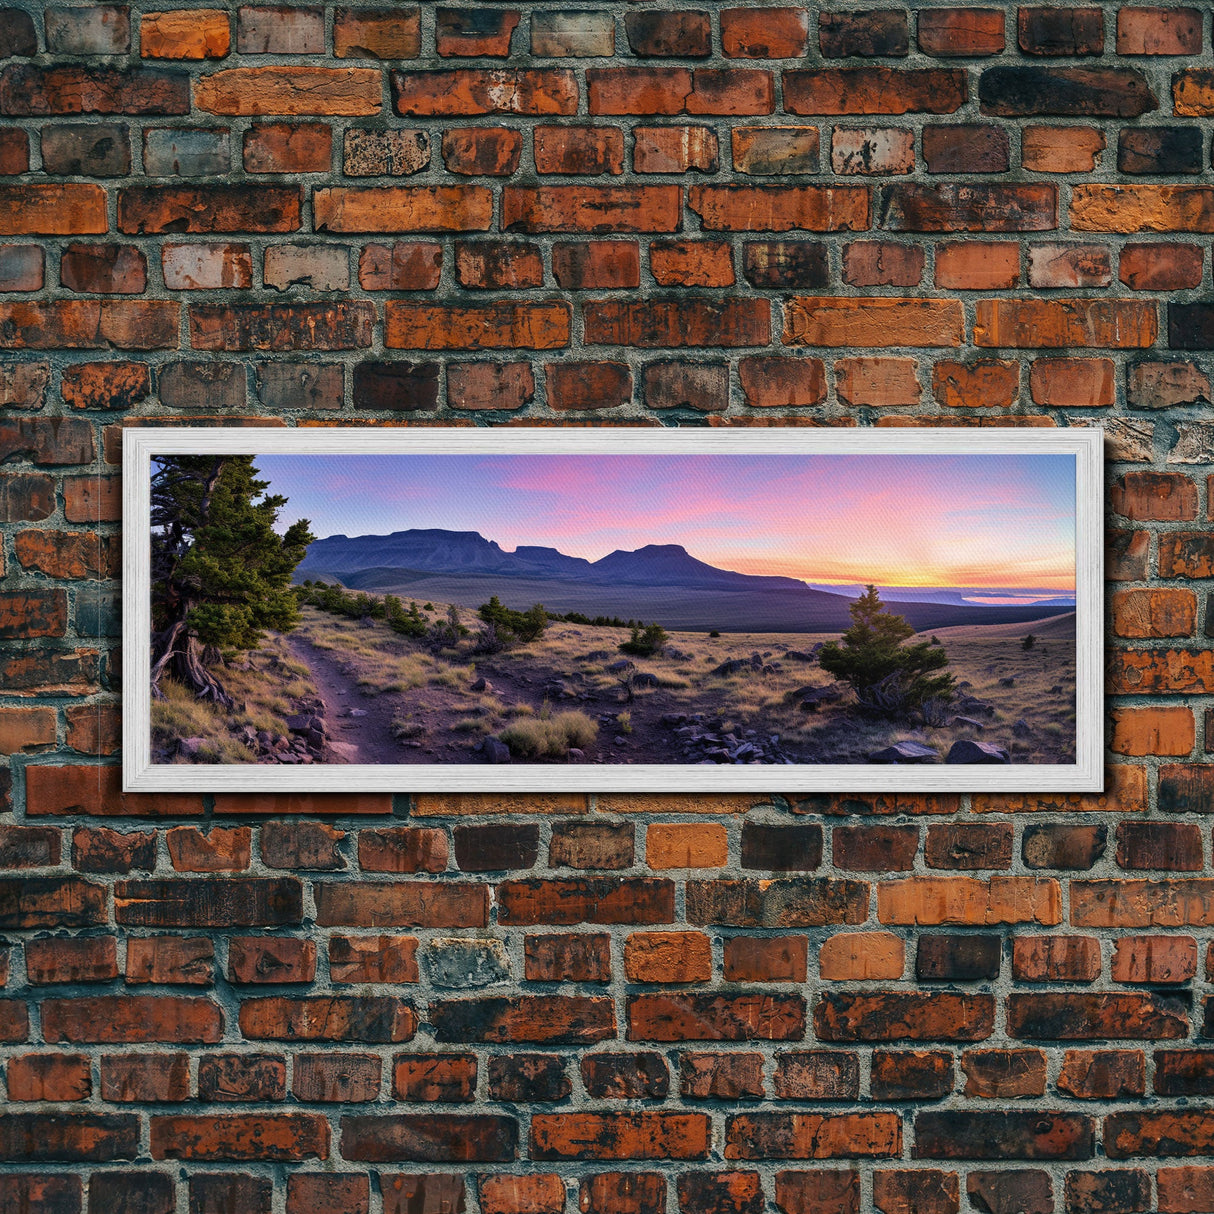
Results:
<point x="906" y="752"/>
<point x="813" y="698"/>
<point x="965" y="723"/>
<point x="1022" y="729"/>
<point x="495" y="750"/>
<point x="965" y="750"/>
<point x="1008" y="681"/>
<point x="189" y="747"/>
<point x="644" y="679"/>
<point x="795" y="655"/>
<point x="621" y="666"/>
<point x="481" y="684"/>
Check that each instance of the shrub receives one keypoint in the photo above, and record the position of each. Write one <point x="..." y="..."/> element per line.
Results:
<point x="511" y="626"/>
<point x="714" y="633"/>
<point x="1028" y="642"/>
<point x="549" y="737"/>
<point x="890" y="678"/>
<point x="645" y="644"/>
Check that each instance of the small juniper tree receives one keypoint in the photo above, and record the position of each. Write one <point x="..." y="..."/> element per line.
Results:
<point x="221" y="574"/>
<point x="886" y="673"/>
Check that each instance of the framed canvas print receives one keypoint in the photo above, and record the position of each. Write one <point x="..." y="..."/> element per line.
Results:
<point x="514" y="609"/>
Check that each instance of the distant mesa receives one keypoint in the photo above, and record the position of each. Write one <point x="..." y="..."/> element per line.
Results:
<point x="661" y="582"/>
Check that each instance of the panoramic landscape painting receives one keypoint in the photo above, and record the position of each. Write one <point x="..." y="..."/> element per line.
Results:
<point x="564" y="609"/>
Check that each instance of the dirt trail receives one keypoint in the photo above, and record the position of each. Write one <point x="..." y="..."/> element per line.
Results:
<point x="366" y="738"/>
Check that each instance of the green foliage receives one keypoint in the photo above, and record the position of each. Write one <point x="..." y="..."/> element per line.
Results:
<point x="514" y="626"/>
<point x="645" y="643"/>
<point x="218" y="563"/>
<point x="887" y="674"/>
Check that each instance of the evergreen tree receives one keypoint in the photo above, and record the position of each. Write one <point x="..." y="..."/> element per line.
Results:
<point x="221" y="574"/>
<point x="886" y="673"/>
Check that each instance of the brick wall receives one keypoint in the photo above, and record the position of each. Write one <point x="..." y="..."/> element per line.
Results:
<point x="420" y="1004"/>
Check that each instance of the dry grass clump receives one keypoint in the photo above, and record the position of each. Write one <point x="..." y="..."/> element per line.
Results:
<point x="549" y="737"/>
<point x="263" y="686"/>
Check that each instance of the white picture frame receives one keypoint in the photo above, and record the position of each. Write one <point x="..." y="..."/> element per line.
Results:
<point x="142" y="444"/>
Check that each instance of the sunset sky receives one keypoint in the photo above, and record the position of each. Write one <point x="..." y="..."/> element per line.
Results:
<point x="921" y="520"/>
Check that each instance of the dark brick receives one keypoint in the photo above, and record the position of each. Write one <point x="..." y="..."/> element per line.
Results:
<point x="397" y="385"/>
<point x="785" y="263"/>
<point x="967" y="1134"/>
<point x="957" y="958"/>
<point x="1096" y="92"/>
<point x="496" y="848"/>
<point x="528" y="1077"/>
<point x="1160" y="150"/>
<point x="639" y="1076"/>
<point x="911" y="1074"/>
<point x="781" y="848"/>
<point x="1056" y="846"/>
<point x="686" y="34"/>
<point x="878" y="32"/>
<point x="1061" y="31"/>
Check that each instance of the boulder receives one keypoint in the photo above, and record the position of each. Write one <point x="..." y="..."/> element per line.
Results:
<point x="481" y="684"/>
<point x="905" y="752"/>
<point x="495" y="750"/>
<point x="965" y="723"/>
<point x="966" y="750"/>
<point x="644" y="679"/>
<point x="621" y="666"/>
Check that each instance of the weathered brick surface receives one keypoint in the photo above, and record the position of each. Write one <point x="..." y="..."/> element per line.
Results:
<point x="837" y="214"/>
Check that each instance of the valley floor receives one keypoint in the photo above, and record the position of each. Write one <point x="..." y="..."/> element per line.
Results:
<point x="388" y="699"/>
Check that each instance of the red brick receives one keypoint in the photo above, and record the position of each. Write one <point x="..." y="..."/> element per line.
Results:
<point x="961" y="32"/>
<point x="596" y="264"/>
<point x="674" y="149"/>
<point x="468" y="92"/>
<point x="796" y="383"/>
<point x="766" y="33"/>
<point x="29" y="91"/>
<point x="434" y="1077"/>
<point x="985" y="384"/>
<point x="496" y="326"/>
<point x="482" y="151"/>
<point x="89" y="324"/>
<point x="874" y="90"/>
<point x="878" y="382"/>
<point x="668" y="957"/>
<point x="876" y="1135"/>
<point x="290" y="90"/>
<point x="1102" y="1074"/>
<point x="1155" y="960"/>
<point x="682" y="33"/>
<point x="1159" y="31"/>
<point x="921" y="1191"/>
<point x="655" y="323"/>
<point x="1163" y="496"/>
<point x="870" y="151"/>
<point x="582" y="385"/>
<point x="631" y="1135"/>
<point x="809" y="208"/>
<point x="34" y="1077"/>
<point x="1072" y="382"/>
<point x="103" y="269"/>
<point x="1161" y="267"/>
<point x="322" y="1193"/>
<point x="222" y="849"/>
<point x="1154" y="613"/>
<point x="588" y="150"/>
<point x="572" y="957"/>
<point x="872" y="321"/>
<point x="543" y="1193"/>
<point x="703" y="1016"/>
<point x="1055" y="958"/>
<point x="875" y="263"/>
<point x="477" y="385"/>
<point x="200" y="33"/>
<point x="1037" y="323"/>
<point x="241" y="1137"/>
<point x="271" y="959"/>
<point x="288" y="147"/>
<point x="377" y="959"/>
<point x="691" y="263"/>
<point x="208" y="209"/>
<point x="169" y="960"/>
<point x="132" y="1018"/>
<point x="21" y="268"/>
<point x="679" y="90"/>
<point x="372" y="1018"/>
<point x="278" y="327"/>
<point x="336" y="1078"/>
<point x="978" y="266"/>
<point x="376" y="33"/>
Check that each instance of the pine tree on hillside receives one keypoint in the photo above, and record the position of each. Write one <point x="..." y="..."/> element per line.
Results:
<point x="221" y="574"/>
<point x="886" y="673"/>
